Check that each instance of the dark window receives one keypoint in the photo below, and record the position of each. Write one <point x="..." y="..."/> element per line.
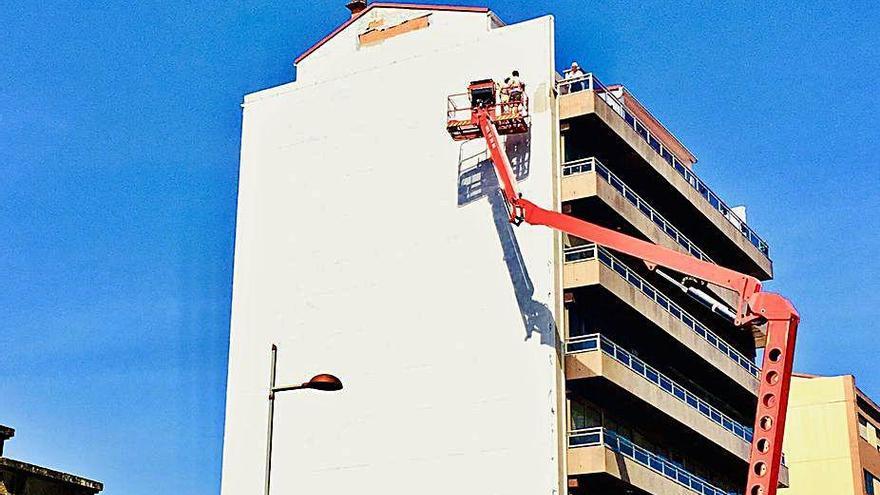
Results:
<point x="872" y="484"/>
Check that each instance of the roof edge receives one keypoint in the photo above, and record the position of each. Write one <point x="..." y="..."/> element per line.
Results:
<point x="868" y="400"/>
<point x="409" y="6"/>
<point x="629" y="93"/>
<point x="51" y="474"/>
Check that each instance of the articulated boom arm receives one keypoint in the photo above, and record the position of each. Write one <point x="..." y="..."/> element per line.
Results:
<point x="754" y="307"/>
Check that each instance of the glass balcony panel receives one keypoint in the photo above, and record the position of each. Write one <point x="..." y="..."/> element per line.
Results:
<point x="638" y="367"/>
<point x="656" y="464"/>
<point x="583" y="439"/>
<point x="687" y="320"/>
<point x="680" y="393"/>
<point x="660" y="223"/>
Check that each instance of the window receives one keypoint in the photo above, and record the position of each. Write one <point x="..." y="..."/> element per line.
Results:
<point x="869" y="432"/>
<point x="863" y="427"/>
<point x="585" y="416"/>
<point x="872" y="484"/>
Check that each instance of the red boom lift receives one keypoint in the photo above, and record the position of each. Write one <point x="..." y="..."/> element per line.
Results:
<point x="487" y="118"/>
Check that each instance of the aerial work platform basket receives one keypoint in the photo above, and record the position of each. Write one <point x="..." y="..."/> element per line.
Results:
<point x="507" y="108"/>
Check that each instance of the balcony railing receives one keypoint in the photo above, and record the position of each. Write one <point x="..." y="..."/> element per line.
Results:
<point x="592" y="252"/>
<point x="598" y="436"/>
<point x="589" y="82"/>
<point x="595" y="342"/>
<point x="593" y="165"/>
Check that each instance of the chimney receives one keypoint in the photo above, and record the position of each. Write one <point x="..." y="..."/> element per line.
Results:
<point x="356" y="6"/>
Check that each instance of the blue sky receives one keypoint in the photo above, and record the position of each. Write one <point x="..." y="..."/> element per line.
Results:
<point x="119" y="137"/>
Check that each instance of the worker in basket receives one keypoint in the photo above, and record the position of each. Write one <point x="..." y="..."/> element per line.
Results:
<point x="512" y="93"/>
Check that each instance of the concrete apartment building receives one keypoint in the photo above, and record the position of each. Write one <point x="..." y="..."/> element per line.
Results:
<point x="832" y="442"/>
<point x="23" y="478"/>
<point x="477" y="357"/>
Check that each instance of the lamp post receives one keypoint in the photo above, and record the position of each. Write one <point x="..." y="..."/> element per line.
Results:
<point x="324" y="382"/>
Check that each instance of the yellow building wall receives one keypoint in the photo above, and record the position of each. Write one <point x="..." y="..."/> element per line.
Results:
<point x="819" y="448"/>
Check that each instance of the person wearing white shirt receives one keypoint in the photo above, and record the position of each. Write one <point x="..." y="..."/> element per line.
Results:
<point x="575" y="72"/>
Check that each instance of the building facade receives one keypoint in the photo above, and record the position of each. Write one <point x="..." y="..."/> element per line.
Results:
<point x="477" y="357"/>
<point x="22" y="478"/>
<point x="832" y="442"/>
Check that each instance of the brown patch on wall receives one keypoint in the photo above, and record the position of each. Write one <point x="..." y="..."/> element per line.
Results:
<point x="373" y="36"/>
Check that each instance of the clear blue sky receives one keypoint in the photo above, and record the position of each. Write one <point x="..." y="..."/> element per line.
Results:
<point x="119" y="139"/>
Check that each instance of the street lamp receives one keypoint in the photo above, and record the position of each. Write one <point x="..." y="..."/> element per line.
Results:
<point x="324" y="382"/>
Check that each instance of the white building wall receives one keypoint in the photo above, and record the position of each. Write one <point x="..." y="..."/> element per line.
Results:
<point x="356" y="254"/>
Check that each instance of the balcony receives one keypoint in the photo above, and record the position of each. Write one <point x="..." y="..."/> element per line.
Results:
<point x="590" y="265"/>
<point x="577" y="168"/>
<point x="587" y="96"/>
<point x="588" y="356"/>
<point x="599" y="450"/>
<point x="596" y="193"/>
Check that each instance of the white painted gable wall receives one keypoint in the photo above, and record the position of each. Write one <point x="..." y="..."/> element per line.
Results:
<point x="354" y="255"/>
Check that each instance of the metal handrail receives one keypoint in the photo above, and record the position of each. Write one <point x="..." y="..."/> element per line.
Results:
<point x="458" y="107"/>
<point x="589" y="82"/>
<point x="599" y="436"/>
<point x="591" y="251"/>
<point x="593" y="165"/>
<point x="595" y="342"/>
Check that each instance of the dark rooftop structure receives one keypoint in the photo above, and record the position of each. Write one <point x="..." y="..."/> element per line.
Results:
<point x="22" y="478"/>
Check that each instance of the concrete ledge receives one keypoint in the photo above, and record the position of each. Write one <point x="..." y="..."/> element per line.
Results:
<point x="580" y="186"/>
<point x="577" y="104"/>
<point x="594" y="364"/>
<point x="592" y="272"/>
<point x="80" y="485"/>
<point x="600" y="459"/>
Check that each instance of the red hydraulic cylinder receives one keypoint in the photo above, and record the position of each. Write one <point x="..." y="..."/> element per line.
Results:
<point x="499" y="156"/>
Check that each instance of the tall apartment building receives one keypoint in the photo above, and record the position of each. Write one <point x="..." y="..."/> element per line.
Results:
<point x="477" y="357"/>
<point x="832" y="441"/>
